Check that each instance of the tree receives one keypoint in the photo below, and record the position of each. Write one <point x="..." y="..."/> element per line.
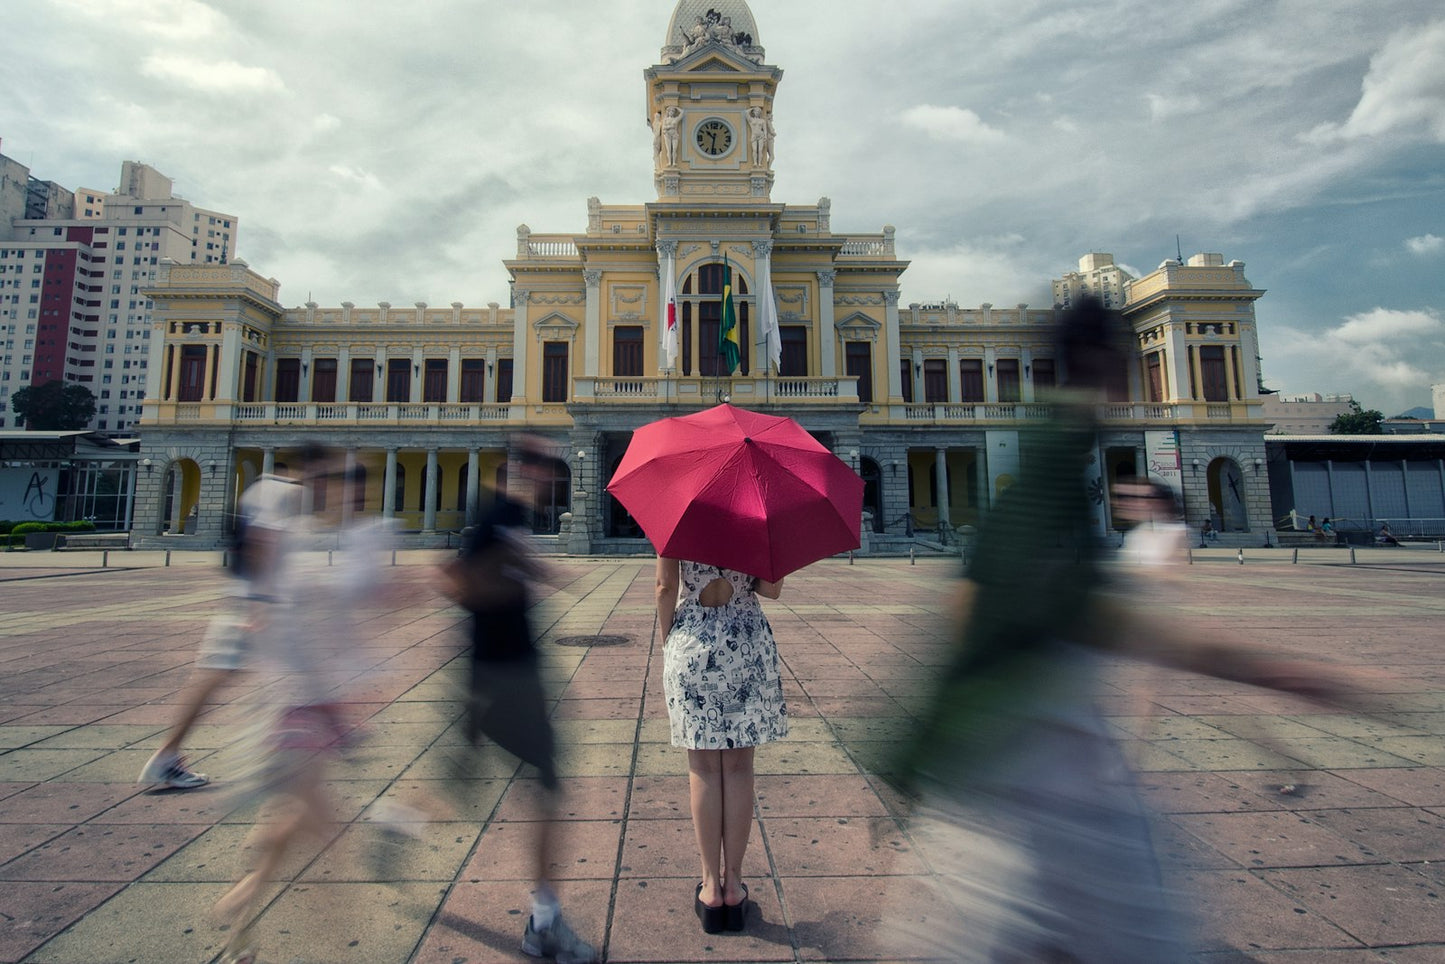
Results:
<point x="1357" y="421"/>
<point x="55" y="406"/>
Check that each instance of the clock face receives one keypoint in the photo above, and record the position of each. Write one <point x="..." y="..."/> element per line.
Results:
<point x="714" y="137"/>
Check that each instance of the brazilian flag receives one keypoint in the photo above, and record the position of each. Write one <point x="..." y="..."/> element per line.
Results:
<point x="728" y="345"/>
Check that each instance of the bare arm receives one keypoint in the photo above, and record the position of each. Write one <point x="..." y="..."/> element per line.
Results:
<point x="669" y="576"/>
<point x="769" y="590"/>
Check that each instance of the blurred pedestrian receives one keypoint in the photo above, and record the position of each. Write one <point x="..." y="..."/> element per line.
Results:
<point x="1042" y="842"/>
<point x="506" y="701"/>
<point x="310" y="644"/>
<point x="724" y="698"/>
<point x="265" y="510"/>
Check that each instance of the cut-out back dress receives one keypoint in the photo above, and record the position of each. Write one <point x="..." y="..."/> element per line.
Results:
<point x="720" y="667"/>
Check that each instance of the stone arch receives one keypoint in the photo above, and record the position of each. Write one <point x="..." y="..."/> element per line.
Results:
<point x="180" y="496"/>
<point x="1228" y="499"/>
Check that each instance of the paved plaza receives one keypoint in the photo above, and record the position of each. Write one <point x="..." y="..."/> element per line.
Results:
<point x="1300" y="835"/>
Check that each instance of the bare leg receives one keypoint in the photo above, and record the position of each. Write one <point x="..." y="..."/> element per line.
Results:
<point x="545" y="840"/>
<point x="197" y="694"/>
<point x="705" y="781"/>
<point x="737" y="817"/>
<point x="307" y="814"/>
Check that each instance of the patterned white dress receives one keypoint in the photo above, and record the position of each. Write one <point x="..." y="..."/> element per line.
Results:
<point x="720" y="667"/>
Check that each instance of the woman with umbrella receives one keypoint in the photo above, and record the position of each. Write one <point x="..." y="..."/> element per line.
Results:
<point x="733" y="500"/>
<point x="724" y="697"/>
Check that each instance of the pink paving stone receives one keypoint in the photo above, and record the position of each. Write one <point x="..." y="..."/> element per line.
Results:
<point x="1275" y="839"/>
<point x="843" y="918"/>
<point x="32" y="913"/>
<point x="1237" y="909"/>
<point x="1380" y="905"/>
<point x="659" y="797"/>
<point x="17" y="838"/>
<point x="597" y="709"/>
<point x="654" y="921"/>
<point x="580" y="798"/>
<point x="581" y="850"/>
<point x="72" y="802"/>
<point x="668" y="848"/>
<point x="482" y="923"/>
<point x="100" y="852"/>
<point x="822" y="795"/>
<point x="838" y="846"/>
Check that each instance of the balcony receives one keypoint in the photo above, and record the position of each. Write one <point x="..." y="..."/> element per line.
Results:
<point x="703" y="390"/>
<point x="321" y="414"/>
<point x="944" y="413"/>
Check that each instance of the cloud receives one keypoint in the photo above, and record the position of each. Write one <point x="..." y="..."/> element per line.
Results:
<point x="1161" y="107"/>
<point x="958" y="124"/>
<point x="1425" y="244"/>
<point x="212" y="77"/>
<point x="1404" y="88"/>
<point x="1386" y="324"/>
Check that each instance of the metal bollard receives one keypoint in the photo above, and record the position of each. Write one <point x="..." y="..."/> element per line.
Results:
<point x="912" y="558"/>
<point x="850" y="557"/>
<point x="393" y="557"/>
<point x="104" y="558"/>
<point x="1241" y="557"/>
<point x="328" y="558"/>
<point x="168" y="558"/>
<point x="1189" y="554"/>
<point x="1352" y="555"/>
<point x="1295" y="560"/>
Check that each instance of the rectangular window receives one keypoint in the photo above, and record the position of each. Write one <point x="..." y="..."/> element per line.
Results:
<point x="907" y="380"/>
<point x="359" y="387"/>
<point x="970" y="379"/>
<point x="504" y="380"/>
<point x="434" y="383"/>
<point x="554" y="371"/>
<point x="627" y="351"/>
<point x="1154" y="370"/>
<point x="288" y="379"/>
<point x="248" y="378"/>
<point x="1211" y="370"/>
<point x="398" y="380"/>
<point x="859" y="360"/>
<point x="1009" y="387"/>
<point x="935" y="380"/>
<point x="193" y="373"/>
<point x="1044" y="373"/>
<point x="474" y="380"/>
<point x="794" y="358"/>
<point x="323" y="382"/>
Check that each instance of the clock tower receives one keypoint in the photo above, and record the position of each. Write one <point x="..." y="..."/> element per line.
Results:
<point x="710" y="106"/>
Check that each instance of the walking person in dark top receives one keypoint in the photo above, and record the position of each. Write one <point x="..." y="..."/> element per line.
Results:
<point x="506" y="701"/>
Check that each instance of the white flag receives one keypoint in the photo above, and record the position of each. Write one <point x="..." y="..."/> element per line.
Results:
<point x="770" y="340"/>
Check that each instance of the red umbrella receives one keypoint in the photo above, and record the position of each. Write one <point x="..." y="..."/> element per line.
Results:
<point x="739" y="489"/>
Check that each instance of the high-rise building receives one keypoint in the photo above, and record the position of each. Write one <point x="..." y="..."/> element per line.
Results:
<point x="73" y="266"/>
<point x="1098" y="275"/>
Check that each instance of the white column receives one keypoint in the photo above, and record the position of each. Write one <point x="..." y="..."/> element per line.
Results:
<point x="592" y="345"/>
<point x="233" y="359"/>
<point x="343" y="374"/>
<point x="895" y="351"/>
<point x="827" y="334"/>
<point x="454" y="375"/>
<point x="490" y="392"/>
<point x="521" y="336"/>
<point x="388" y="493"/>
<point x="955" y="383"/>
<point x="429" y="505"/>
<point x="417" y="373"/>
<point x="268" y="461"/>
<point x="1027" y="361"/>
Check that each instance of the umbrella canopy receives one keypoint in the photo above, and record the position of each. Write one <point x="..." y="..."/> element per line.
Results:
<point x="739" y="489"/>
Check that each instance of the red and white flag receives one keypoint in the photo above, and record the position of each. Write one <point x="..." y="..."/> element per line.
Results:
<point x="669" y="315"/>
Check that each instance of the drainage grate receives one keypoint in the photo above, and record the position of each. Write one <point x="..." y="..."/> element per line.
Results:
<point x="594" y="640"/>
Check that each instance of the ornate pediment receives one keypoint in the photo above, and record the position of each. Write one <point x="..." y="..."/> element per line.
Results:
<point x="858" y="327"/>
<point x="555" y="327"/>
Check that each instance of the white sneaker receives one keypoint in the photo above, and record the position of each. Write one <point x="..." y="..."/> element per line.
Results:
<point x="169" y="771"/>
<point x="558" y="942"/>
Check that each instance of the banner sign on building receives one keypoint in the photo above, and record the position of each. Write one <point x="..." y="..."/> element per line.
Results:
<point x="28" y="495"/>
<point x="1163" y="461"/>
<point x="1098" y="498"/>
<point x="1002" y="463"/>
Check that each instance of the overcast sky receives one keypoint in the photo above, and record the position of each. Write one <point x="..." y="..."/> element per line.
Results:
<point x="387" y="152"/>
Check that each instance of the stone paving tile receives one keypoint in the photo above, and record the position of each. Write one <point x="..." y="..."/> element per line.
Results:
<point x="1215" y="757"/>
<point x="100" y="852"/>
<point x="1380" y="905"/>
<point x="33" y="913"/>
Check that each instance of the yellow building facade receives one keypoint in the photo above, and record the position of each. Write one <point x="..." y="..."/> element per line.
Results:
<point x="924" y="401"/>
